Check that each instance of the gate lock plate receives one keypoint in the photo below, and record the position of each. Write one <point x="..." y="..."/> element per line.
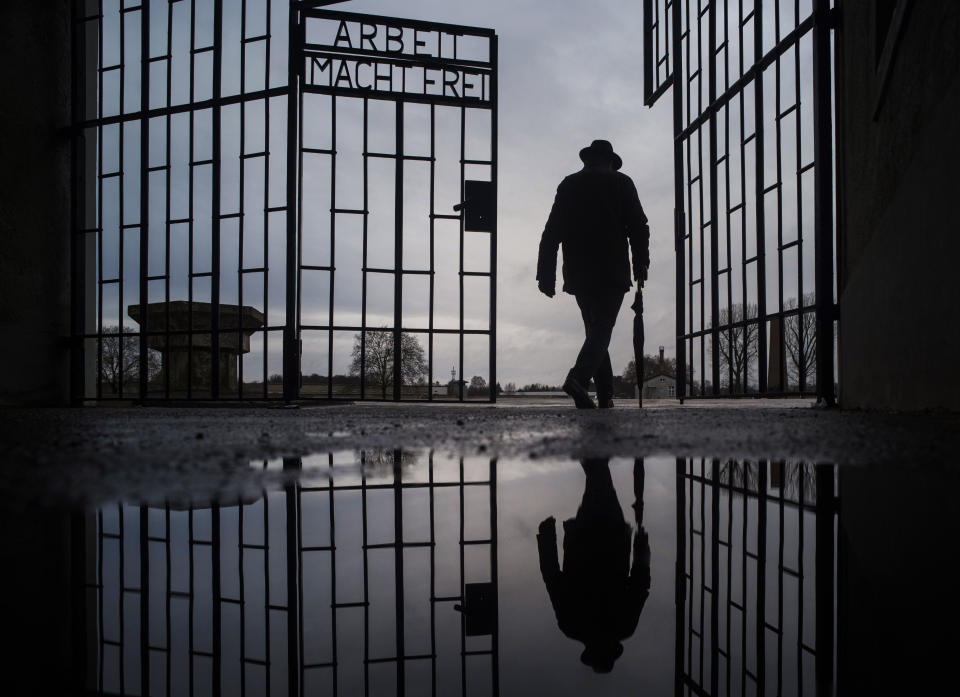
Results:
<point x="478" y="206"/>
<point x="480" y="608"/>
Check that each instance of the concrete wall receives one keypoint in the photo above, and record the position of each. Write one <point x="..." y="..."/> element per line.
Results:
<point x="896" y="594"/>
<point x="35" y="201"/>
<point x="899" y="214"/>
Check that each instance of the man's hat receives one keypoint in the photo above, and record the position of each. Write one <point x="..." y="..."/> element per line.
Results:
<point x="601" y="150"/>
<point x="601" y="655"/>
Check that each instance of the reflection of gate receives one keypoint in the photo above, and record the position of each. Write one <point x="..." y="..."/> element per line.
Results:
<point x="397" y="125"/>
<point x="382" y="580"/>
<point x="755" y="578"/>
<point x="254" y="188"/>
<point x="753" y="173"/>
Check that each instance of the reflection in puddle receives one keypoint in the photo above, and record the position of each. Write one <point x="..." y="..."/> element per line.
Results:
<point x="365" y="580"/>
<point x="599" y="594"/>
<point x="754" y="547"/>
<point x="752" y="578"/>
<point x="395" y="573"/>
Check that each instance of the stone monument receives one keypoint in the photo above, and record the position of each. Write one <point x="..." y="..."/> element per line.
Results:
<point x="186" y="350"/>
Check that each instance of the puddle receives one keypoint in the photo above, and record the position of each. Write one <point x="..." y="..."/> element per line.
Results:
<point x="404" y="573"/>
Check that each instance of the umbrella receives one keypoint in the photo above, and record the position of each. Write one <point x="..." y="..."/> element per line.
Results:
<point x="637" y="307"/>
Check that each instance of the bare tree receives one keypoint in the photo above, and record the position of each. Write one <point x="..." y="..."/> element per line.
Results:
<point x="740" y="474"/>
<point x="738" y="345"/>
<point x="377" y="352"/>
<point x="790" y="478"/>
<point x="120" y="359"/>
<point x="799" y="477"/>
<point x="478" y="386"/>
<point x="800" y="342"/>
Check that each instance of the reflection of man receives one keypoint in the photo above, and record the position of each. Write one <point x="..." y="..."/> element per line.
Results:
<point x="595" y="214"/>
<point x="598" y="596"/>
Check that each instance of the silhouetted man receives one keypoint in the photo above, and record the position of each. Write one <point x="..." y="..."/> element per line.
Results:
<point x="599" y="595"/>
<point x="595" y="214"/>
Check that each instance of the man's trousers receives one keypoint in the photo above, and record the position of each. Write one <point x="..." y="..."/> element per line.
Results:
<point x="599" y="309"/>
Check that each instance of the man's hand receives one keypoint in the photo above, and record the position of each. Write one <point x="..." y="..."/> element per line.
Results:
<point x="548" y="527"/>
<point x="547" y="289"/>
<point x="640" y="275"/>
<point x="641" y="559"/>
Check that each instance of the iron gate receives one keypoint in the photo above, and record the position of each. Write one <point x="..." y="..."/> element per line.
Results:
<point x="753" y="167"/>
<point x="397" y="127"/>
<point x="239" y="223"/>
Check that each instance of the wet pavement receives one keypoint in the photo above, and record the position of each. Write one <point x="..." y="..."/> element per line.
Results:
<point x="519" y="550"/>
<point x="107" y="453"/>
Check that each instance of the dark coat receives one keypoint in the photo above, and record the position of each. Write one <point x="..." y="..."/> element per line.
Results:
<point x="599" y="594"/>
<point x="595" y="214"/>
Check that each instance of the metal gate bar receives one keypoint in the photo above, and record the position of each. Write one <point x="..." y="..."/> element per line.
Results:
<point x="725" y="228"/>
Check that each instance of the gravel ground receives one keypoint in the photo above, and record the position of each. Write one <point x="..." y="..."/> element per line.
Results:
<point x="98" y="454"/>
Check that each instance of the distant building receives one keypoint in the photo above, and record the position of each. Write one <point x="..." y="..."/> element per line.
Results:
<point x="660" y="387"/>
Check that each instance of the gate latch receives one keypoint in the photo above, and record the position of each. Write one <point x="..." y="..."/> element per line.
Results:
<point x="478" y="206"/>
<point x="479" y="608"/>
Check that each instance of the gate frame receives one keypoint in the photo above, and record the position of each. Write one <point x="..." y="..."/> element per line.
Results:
<point x="820" y="22"/>
<point x="300" y="12"/>
<point x="87" y="18"/>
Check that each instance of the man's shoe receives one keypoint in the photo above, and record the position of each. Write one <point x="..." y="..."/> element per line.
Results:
<point x="605" y="402"/>
<point x="580" y="396"/>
